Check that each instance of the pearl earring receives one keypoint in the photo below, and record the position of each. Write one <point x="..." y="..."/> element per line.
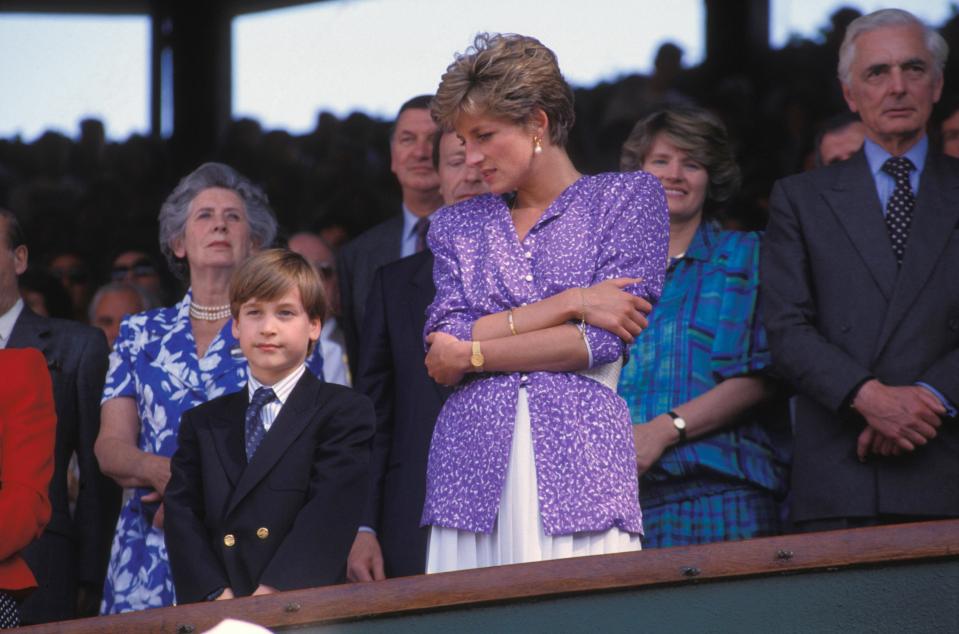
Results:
<point x="537" y="145"/>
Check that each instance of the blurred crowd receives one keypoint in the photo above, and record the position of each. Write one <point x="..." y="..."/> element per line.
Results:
<point x="86" y="200"/>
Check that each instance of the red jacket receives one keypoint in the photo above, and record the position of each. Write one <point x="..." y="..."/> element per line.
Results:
<point x="27" y="428"/>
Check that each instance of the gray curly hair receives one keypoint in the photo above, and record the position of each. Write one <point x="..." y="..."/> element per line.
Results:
<point x="176" y="209"/>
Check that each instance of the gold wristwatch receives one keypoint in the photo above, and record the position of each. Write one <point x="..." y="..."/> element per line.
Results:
<point x="476" y="359"/>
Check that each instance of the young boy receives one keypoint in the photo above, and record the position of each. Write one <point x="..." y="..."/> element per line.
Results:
<point x="268" y="484"/>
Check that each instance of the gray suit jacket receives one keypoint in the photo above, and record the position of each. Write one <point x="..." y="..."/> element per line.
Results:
<point x="73" y="549"/>
<point x="356" y="264"/>
<point x="838" y="311"/>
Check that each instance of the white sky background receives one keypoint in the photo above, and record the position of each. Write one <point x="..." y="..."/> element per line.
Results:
<point x="375" y="54"/>
<point x="367" y="55"/>
<point x="808" y="17"/>
<point x="57" y="70"/>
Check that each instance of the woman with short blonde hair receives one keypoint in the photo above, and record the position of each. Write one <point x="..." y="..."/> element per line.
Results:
<point x="537" y="295"/>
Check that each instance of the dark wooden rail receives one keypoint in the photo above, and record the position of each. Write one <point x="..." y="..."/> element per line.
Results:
<point x="774" y="556"/>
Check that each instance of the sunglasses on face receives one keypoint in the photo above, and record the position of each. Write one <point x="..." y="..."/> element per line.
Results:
<point x="140" y="268"/>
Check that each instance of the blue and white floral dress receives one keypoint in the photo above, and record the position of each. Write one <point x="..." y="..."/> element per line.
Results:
<point x="154" y="362"/>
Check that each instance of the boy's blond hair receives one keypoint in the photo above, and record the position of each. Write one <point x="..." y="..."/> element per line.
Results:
<point x="270" y="274"/>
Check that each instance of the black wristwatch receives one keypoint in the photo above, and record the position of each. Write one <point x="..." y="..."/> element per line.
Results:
<point x="680" y="424"/>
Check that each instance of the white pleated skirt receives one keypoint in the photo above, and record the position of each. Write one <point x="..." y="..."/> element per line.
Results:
<point x="517" y="535"/>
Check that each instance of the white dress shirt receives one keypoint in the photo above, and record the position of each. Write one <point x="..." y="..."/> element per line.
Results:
<point x="281" y="388"/>
<point x="8" y="320"/>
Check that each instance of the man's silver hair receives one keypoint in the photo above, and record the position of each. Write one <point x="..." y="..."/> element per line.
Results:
<point x="935" y="43"/>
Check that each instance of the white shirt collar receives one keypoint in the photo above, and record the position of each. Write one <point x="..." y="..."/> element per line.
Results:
<point x="8" y="320"/>
<point x="281" y="388"/>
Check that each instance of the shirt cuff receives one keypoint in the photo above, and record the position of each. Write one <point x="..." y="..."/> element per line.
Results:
<point x="950" y="408"/>
<point x="366" y="529"/>
<point x="589" y="352"/>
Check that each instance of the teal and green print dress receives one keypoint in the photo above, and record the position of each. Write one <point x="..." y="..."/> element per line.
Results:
<point x="707" y="328"/>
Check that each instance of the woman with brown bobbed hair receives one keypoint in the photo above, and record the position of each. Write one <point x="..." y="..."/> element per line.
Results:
<point x="711" y="448"/>
<point x="540" y="285"/>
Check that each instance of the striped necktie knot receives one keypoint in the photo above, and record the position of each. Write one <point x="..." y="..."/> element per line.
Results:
<point x="253" y="425"/>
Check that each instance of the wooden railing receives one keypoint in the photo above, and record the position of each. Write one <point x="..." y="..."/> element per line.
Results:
<point x="774" y="556"/>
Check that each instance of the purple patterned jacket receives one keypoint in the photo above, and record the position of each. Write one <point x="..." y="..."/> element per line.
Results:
<point x="601" y="227"/>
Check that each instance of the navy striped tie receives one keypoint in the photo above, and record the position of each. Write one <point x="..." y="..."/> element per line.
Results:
<point x="254" y="426"/>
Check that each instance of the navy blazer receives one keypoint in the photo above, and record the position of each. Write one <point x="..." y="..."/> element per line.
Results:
<point x="74" y="549"/>
<point x="356" y="263"/>
<point x="288" y="518"/>
<point x="838" y="311"/>
<point x="407" y="401"/>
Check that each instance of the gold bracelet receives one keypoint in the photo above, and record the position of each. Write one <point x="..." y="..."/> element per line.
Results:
<point x="582" y="316"/>
<point x="509" y="319"/>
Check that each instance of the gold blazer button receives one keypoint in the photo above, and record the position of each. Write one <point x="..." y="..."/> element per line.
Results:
<point x="263" y="532"/>
<point x="229" y="540"/>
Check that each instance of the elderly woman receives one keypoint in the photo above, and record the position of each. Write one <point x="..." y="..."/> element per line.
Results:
<point x="532" y="456"/>
<point x="713" y="459"/>
<point x="168" y="360"/>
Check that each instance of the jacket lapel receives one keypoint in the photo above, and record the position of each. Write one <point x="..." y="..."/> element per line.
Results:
<point x="294" y="416"/>
<point x="933" y="225"/>
<point x="855" y="202"/>
<point x="33" y="331"/>
<point x="228" y="435"/>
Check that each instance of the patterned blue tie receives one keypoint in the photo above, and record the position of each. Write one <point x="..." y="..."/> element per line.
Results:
<point x="901" y="204"/>
<point x="254" y="426"/>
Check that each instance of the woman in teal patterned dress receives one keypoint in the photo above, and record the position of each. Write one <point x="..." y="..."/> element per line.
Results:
<point x="711" y="438"/>
<point x="168" y="360"/>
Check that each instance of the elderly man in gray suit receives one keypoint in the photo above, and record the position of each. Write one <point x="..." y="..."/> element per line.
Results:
<point x="860" y="272"/>
<point x="411" y="160"/>
<point x="70" y="559"/>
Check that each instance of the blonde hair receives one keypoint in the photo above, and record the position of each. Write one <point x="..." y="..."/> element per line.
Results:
<point x="270" y="274"/>
<point x="508" y="76"/>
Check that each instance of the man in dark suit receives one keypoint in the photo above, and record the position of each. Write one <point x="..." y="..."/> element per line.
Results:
<point x="71" y="555"/>
<point x="411" y="143"/>
<point x="267" y="484"/>
<point x="861" y="294"/>
<point x="407" y="401"/>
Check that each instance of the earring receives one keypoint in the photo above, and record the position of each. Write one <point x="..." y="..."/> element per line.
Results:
<point x="537" y="145"/>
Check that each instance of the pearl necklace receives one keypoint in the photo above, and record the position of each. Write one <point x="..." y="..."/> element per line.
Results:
<point x="209" y="313"/>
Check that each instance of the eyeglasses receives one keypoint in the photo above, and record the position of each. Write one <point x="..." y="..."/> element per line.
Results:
<point x="140" y="268"/>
